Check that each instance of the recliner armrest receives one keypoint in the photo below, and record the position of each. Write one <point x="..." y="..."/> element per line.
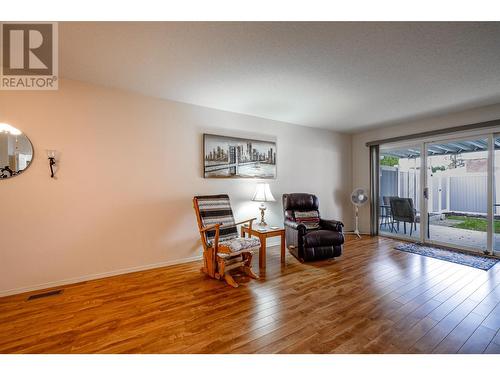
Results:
<point x="295" y="225"/>
<point x="331" y="225"/>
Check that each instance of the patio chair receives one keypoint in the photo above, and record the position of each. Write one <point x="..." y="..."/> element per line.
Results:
<point x="385" y="212"/>
<point x="402" y="210"/>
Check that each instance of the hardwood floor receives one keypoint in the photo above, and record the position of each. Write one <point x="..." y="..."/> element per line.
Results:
<point x="373" y="299"/>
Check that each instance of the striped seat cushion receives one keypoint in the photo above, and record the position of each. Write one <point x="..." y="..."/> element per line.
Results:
<point x="309" y="218"/>
<point x="216" y="209"/>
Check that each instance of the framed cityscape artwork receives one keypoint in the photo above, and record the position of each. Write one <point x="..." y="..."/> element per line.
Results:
<point x="230" y="157"/>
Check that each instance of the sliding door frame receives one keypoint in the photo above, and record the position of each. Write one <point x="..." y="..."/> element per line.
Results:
<point x="374" y="189"/>
<point x="490" y="247"/>
<point x="424" y="218"/>
<point x="424" y="142"/>
<point x="489" y="195"/>
<point x="399" y="145"/>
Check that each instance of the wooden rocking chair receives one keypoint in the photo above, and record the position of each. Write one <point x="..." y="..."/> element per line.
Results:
<point x="223" y="249"/>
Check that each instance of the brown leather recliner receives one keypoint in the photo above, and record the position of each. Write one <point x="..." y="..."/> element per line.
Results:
<point x="310" y="244"/>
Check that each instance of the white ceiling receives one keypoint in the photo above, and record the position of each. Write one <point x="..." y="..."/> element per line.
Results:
<point x="340" y="76"/>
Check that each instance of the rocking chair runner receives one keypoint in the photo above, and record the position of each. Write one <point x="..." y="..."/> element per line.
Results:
<point x="223" y="250"/>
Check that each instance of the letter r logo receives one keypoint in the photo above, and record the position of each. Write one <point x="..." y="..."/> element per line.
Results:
<point x="27" y="49"/>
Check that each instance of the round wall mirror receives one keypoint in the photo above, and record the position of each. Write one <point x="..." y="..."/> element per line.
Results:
<point x="16" y="151"/>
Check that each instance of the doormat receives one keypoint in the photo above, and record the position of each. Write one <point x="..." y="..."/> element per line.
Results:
<point x="470" y="260"/>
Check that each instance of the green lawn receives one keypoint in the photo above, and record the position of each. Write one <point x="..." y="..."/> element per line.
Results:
<point x="473" y="223"/>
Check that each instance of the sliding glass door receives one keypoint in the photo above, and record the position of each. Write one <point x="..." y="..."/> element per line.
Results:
<point x="399" y="187"/>
<point x="456" y="193"/>
<point x="443" y="191"/>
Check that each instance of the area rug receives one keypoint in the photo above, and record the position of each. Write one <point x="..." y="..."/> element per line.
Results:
<point x="476" y="261"/>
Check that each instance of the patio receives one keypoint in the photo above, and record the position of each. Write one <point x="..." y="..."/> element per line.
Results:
<point x="449" y="235"/>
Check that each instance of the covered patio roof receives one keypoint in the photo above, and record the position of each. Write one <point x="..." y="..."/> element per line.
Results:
<point x="457" y="147"/>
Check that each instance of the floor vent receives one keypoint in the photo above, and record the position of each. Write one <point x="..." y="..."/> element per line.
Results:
<point x="45" y="294"/>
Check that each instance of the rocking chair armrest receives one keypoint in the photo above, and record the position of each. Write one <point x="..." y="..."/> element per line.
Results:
<point x="220" y="226"/>
<point x="215" y="227"/>
<point x="210" y="227"/>
<point x="246" y="221"/>
<point x="238" y="223"/>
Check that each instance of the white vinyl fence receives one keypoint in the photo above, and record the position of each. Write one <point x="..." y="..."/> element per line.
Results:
<point x="467" y="194"/>
<point x="396" y="183"/>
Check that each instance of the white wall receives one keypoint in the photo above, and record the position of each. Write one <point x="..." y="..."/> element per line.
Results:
<point x="360" y="153"/>
<point x="129" y="167"/>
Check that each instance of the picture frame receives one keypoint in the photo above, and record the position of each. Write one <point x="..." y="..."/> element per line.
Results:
<point x="234" y="157"/>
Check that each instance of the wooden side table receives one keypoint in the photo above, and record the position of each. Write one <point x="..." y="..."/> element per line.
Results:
<point x="263" y="233"/>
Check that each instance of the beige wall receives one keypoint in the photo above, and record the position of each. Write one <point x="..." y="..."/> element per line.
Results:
<point x="4" y="149"/>
<point x="360" y="153"/>
<point x="129" y="166"/>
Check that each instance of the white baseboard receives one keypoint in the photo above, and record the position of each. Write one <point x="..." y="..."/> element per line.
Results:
<point x="74" y="280"/>
<point x="52" y="284"/>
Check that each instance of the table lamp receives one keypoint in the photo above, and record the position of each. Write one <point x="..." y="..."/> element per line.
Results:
<point x="263" y="194"/>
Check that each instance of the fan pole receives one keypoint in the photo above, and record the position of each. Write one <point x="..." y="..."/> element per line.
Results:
<point x="356" y="231"/>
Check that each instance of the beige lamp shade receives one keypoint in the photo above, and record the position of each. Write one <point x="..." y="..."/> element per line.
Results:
<point x="263" y="193"/>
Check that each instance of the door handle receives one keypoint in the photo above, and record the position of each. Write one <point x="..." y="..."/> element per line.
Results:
<point x="426" y="193"/>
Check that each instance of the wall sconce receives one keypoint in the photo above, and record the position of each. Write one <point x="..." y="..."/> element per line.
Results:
<point x="51" y="155"/>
